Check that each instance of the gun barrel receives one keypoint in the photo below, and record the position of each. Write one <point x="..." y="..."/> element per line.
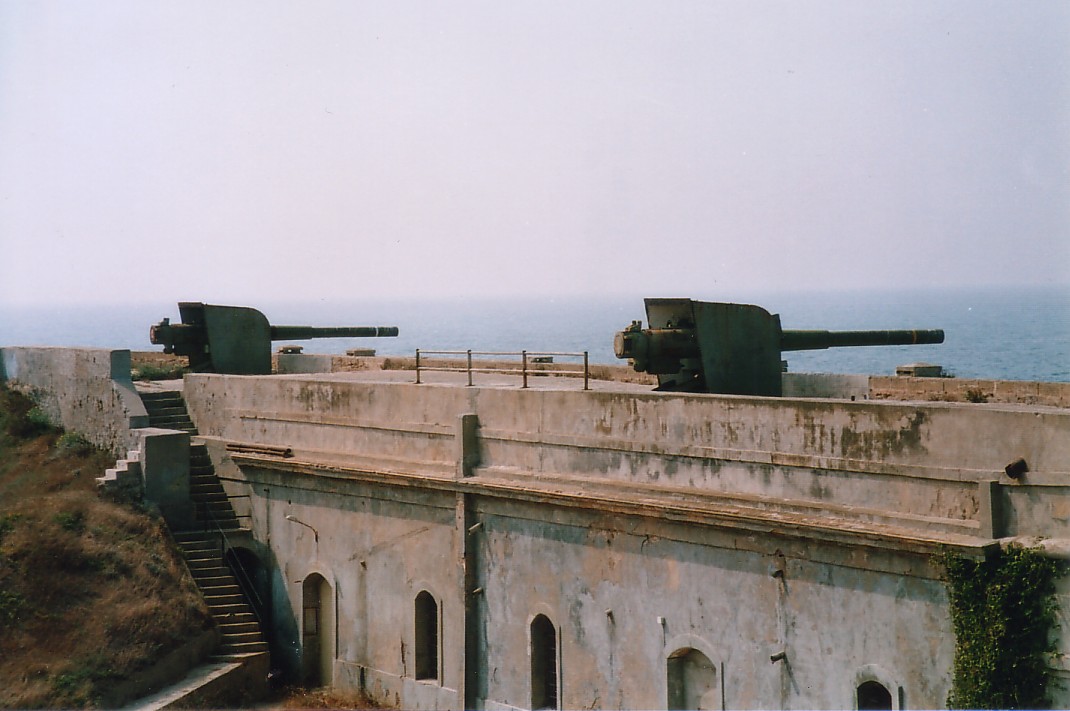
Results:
<point x="304" y="333"/>
<point x="818" y="340"/>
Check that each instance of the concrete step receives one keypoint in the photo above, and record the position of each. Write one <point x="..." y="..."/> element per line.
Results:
<point x="243" y="648"/>
<point x="200" y="492"/>
<point x="226" y="520"/>
<point x="190" y="538"/>
<point x="197" y="565"/>
<point x="241" y="619"/>
<point x="199" y="548"/>
<point x="227" y="587"/>
<point x="233" y="629"/>
<point x="219" y="512"/>
<point x="217" y="579"/>
<point x="230" y="637"/>
<point x="222" y="609"/>
<point x="229" y="603"/>
<point x="169" y="420"/>
<point x="161" y="396"/>
<point x="204" y="482"/>
<point x="166" y="409"/>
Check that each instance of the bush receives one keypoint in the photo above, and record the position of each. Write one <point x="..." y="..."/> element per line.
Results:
<point x="73" y="521"/>
<point x="7" y="525"/>
<point x="11" y="606"/>
<point x="1002" y="611"/>
<point x="73" y="444"/>
<point x="153" y="371"/>
<point x="21" y="417"/>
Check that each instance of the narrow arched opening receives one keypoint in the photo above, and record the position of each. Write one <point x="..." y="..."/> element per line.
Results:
<point x="426" y="636"/>
<point x="544" y="671"/>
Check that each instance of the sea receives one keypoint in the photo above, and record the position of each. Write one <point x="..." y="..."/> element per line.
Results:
<point x="1020" y="333"/>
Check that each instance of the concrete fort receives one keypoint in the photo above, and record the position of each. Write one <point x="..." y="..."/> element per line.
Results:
<point x="442" y="546"/>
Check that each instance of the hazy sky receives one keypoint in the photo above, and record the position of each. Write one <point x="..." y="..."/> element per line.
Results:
<point x="231" y="151"/>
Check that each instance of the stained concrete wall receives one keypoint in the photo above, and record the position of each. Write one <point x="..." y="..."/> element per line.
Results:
<point x="84" y="390"/>
<point x="916" y="464"/>
<point x="639" y="524"/>
<point x="826" y="385"/>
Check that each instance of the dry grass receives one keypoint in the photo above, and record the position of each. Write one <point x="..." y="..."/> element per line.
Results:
<point x="300" y="698"/>
<point x="91" y="591"/>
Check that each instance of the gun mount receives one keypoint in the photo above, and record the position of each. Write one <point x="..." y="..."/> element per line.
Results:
<point x="700" y="346"/>
<point x="237" y="339"/>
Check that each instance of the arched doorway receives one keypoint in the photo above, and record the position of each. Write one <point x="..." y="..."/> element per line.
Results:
<point x="873" y="695"/>
<point x="317" y="630"/>
<point x="692" y="681"/>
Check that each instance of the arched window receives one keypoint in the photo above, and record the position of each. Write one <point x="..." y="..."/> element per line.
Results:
<point x="544" y="689"/>
<point x="873" y="695"/>
<point x="426" y="636"/>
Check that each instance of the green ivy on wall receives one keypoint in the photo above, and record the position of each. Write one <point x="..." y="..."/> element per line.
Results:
<point x="1002" y="611"/>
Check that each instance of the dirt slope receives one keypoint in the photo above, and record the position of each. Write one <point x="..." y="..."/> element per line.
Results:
<point x="91" y="591"/>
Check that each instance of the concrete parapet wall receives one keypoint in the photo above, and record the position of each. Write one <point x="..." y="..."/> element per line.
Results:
<point x="84" y="390"/>
<point x="920" y="464"/>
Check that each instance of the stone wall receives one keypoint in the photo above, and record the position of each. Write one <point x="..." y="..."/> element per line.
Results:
<point x="787" y="540"/>
<point x="84" y="390"/>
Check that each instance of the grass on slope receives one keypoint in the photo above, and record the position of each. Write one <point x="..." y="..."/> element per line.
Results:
<point x="91" y="591"/>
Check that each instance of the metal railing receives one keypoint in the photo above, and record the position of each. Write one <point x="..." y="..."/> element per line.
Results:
<point x="527" y="359"/>
<point x="245" y="582"/>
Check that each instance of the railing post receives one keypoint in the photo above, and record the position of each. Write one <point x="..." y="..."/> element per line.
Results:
<point x="469" y="367"/>
<point x="586" y="377"/>
<point x="524" y="355"/>
<point x="417" y="366"/>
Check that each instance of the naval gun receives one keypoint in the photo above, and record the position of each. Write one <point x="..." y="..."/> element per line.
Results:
<point x="237" y="339"/>
<point x="707" y="347"/>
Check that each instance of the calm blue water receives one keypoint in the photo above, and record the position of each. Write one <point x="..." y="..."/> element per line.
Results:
<point x="1021" y="334"/>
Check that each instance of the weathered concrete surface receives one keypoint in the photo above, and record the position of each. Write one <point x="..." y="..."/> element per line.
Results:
<point x="164" y="457"/>
<point x="641" y="524"/>
<point x="84" y="390"/>
<point x="826" y="385"/>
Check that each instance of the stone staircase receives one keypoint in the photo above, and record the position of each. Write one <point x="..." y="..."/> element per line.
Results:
<point x="167" y="409"/>
<point x="202" y="549"/>
<point x="238" y="624"/>
<point x="212" y="506"/>
<point x="202" y="546"/>
<point x="124" y="478"/>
